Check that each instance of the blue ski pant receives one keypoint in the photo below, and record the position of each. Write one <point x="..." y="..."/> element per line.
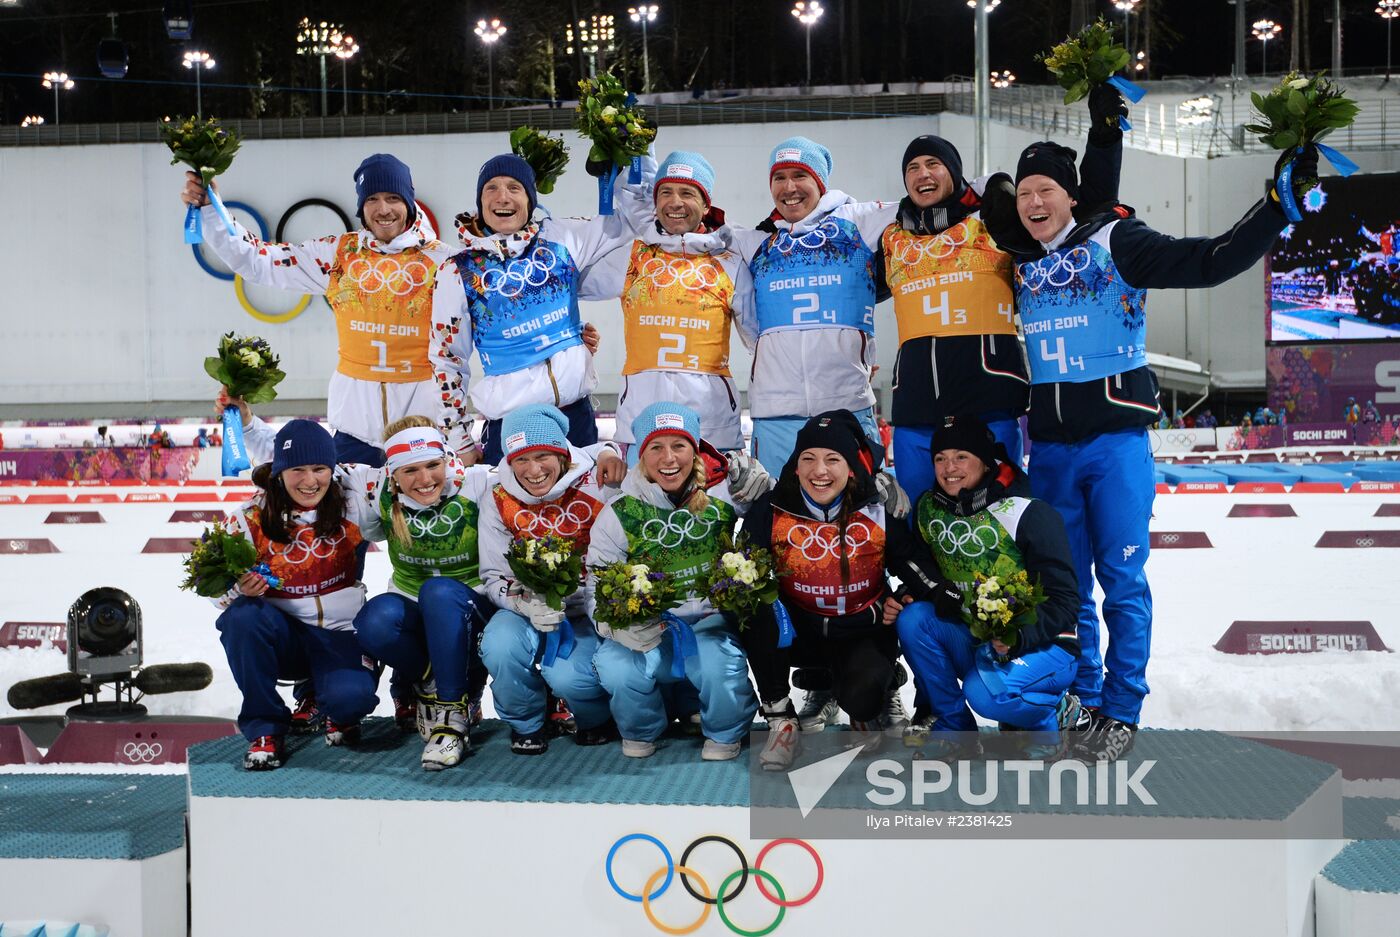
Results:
<point x="1104" y="487"/>
<point x="719" y="672"/>
<point x="264" y="645"/>
<point x="956" y="672"/>
<point x="512" y="650"/>
<point x="913" y="460"/>
<point x="440" y="630"/>
<point x="775" y="436"/>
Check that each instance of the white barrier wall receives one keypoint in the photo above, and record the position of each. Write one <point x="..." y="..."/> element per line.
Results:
<point x="105" y="303"/>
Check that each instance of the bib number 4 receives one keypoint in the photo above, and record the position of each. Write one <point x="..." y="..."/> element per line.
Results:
<point x="1064" y="361"/>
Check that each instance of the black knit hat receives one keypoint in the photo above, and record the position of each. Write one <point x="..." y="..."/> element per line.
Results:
<point x="1050" y="159"/>
<point x="839" y="431"/>
<point x="967" y="433"/>
<point x="940" y="149"/>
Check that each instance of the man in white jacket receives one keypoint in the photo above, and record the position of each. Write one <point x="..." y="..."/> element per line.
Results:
<point x="379" y="283"/>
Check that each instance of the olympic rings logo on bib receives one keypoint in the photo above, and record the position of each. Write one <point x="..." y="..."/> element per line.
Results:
<point x="439" y="524"/>
<point x="563" y="520"/>
<point x="520" y="273"/>
<point x="678" y="528"/>
<point x="386" y="273"/>
<point x="961" y="537"/>
<point x="825" y="539"/>
<point x="306" y="546"/>
<point x="1057" y="270"/>
<point x="809" y="240"/>
<point x="911" y="250"/>
<point x="660" y="880"/>
<point x="690" y="275"/>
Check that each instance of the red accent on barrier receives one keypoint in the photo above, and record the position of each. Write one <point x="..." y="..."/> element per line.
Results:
<point x="197" y="496"/>
<point x="1363" y="539"/>
<point x="16" y="748"/>
<point x="1262" y="510"/>
<point x="132" y="743"/>
<point x="1299" y="637"/>
<point x="48" y="499"/>
<point x="27" y="546"/>
<point x="53" y="483"/>
<point x="108" y="482"/>
<point x="17" y="482"/>
<point x="34" y="634"/>
<point x="11" y="499"/>
<point x="1388" y="510"/>
<point x="1179" y="539"/>
<point x="200" y="482"/>
<point x="1259" y="488"/>
<point x="1201" y="488"/>
<point x="196" y="517"/>
<point x="74" y="517"/>
<point x="163" y="482"/>
<point x="1370" y="488"/>
<point x="239" y="495"/>
<point x="105" y="498"/>
<point x="146" y="496"/>
<point x="168" y="545"/>
<point x="1163" y="488"/>
<point x="1318" y="488"/>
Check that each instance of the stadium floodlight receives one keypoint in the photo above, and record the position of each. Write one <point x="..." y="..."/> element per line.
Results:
<point x="1388" y="10"/>
<point x="644" y="14"/>
<point x="991" y="4"/>
<point x="1196" y="111"/>
<point x="198" y="60"/>
<point x="33" y="120"/>
<point x="490" y="33"/>
<point x="1003" y="79"/>
<point x="319" y="39"/>
<point x="807" y="13"/>
<point x="58" y="81"/>
<point x="1264" y="30"/>
<point x="591" y="36"/>
<point x="345" y="52"/>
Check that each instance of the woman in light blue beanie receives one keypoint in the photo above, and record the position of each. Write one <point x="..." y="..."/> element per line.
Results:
<point x="672" y="514"/>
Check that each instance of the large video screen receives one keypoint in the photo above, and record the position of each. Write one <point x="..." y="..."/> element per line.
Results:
<point x="1335" y="275"/>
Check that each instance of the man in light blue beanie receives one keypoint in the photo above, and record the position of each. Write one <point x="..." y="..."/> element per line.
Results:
<point x="803" y="155"/>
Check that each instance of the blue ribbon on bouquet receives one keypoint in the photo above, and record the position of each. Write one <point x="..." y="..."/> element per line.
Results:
<point x="634" y="171"/>
<point x="558" y="644"/>
<point x="683" y="642"/>
<point x="1287" y="199"/>
<point x="1134" y="93"/>
<point x="605" y="190"/>
<point x="786" y="632"/>
<point x="265" y="571"/>
<point x="235" y="455"/>
<point x="194" y="228"/>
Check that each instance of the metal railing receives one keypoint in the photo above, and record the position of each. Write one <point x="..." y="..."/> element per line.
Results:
<point x="1158" y="126"/>
<point x="734" y="111"/>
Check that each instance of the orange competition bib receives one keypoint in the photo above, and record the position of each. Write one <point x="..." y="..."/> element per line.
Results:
<point x="383" y="305"/>
<point x="953" y="283"/>
<point x="675" y="312"/>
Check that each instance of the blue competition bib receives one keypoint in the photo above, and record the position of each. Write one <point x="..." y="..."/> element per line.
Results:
<point x="1081" y="321"/>
<point x="524" y="309"/>
<point x="821" y="279"/>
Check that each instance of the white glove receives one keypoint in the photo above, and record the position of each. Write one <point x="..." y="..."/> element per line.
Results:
<point x="640" y="638"/>
<point x="895" y="501"/>
<point x="748" y="479"/>
<point x="533" y="608"/>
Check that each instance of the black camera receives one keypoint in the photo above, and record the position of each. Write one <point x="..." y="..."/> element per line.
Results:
<point x="104" y="633"/>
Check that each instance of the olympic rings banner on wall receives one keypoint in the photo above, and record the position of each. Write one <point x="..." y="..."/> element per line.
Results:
<point x="259" y="222"/>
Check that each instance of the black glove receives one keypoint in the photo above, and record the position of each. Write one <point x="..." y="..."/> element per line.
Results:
<point x="1106" y="106"/>
<point x="947" y="601"/>
<point x="598" y="167"/>
<point x="1304" y="168"/>
<point x="1001" y="218"/>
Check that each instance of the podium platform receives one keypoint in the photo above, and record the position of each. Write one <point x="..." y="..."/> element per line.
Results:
<point x="514" y="845"/>
<point x="102" y="849"/>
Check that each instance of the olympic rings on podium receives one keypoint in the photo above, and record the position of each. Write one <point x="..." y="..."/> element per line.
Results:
<point x="704" y="908"/>
<point x="670" y="866"/>
<point x="797" y="902"/>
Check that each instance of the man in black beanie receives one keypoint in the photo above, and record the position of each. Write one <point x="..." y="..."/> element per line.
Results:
<point x="1081" y="294"/>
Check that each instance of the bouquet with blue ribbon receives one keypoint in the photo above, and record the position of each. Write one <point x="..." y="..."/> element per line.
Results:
<point x="552" y="568"/>
<point x="630" y="594"/>
<point x="1091" y="58"/>
<point x="609" y="118"/>
<point x="208" y="149"/>
<point x="745" y="579"/>
<point x="220" y="558"/>
<point x="248" y="369"/>
<point x="1296" y="114"/>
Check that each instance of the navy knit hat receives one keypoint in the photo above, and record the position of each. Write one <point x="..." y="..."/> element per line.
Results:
<point x="507" y="164"/>
<point x="383" y="173"/>
<point x="1052" y="160"/>
<point x="967" y="433"/>
<point x="534" y="426"/>
<point x="940" y="149"/>
<point x="302" y="442"/>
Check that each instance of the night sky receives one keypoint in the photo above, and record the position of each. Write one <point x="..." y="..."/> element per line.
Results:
<point x="423" y="56"/>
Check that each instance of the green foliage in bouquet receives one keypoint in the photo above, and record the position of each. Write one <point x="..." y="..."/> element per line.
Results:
<point x="219" y="560"/>
<point x="547" y="156"/>
<point x="1089" y="59"/>
<point x="616" y="129"/>
<point x="628" y="594"/>
<point x="203" y="146"/>
<point x="549" y="566"/>
<point x="247" y="367"/>
<point x="1000" y="606"/>
<point x="743" y="580"/>
<point x="1301" y="110"/>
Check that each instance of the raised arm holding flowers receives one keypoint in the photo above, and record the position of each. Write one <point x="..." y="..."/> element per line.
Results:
<point x="1294" y="116"/>
<point x="609" y="118"/>
<point x="208" y="150"/>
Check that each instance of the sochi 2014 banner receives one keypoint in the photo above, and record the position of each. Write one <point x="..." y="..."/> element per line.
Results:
<point x="1357" y="384"/>
<point x="97" y="465"/>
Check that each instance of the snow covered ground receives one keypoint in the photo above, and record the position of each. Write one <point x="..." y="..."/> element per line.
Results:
<point x="1259" y="568"/>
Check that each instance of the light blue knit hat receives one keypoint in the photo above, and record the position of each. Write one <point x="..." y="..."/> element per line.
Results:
<point x="664" y="418"/>
<point x="683" y="166"/>
<point x="534" y="426"/>
<point x="801" y="153"/>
